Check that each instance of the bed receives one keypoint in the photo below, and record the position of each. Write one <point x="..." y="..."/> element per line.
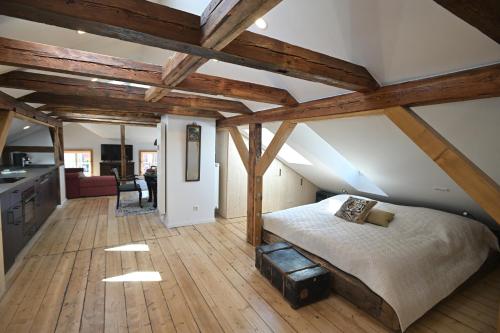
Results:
<point x="397" y="273"/>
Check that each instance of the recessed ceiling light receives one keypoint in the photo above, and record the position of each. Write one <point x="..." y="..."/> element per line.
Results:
<point x="215" y="60"/>
<point x="81" y="32"/>
<point x="26" y="127"/>
<point x="94" y="79"/>
<point x="261" y="23"/>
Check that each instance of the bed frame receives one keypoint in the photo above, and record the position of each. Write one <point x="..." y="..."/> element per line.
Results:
<point x="356" y="292"/>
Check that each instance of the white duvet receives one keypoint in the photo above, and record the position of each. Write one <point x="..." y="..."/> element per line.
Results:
<point x="421" y="258"/>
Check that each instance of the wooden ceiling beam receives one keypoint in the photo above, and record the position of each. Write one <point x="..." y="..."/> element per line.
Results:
<point x="221" y="22"/>
<point x="484" y="190"/>
<point x="107" y="122"/>
<point x="78" y="87"/>
<point x="83" y="115"/>
<point x="63" y="60"/>
<point x="213" y="85"/>
<point x="25" y="111"/>
<point x="97" y="112"/>
<point x="484" y="15"/>
<point x="470" y="84"/>
<point x="147" y="23"/>
<point x="130" y="20"/>
<point x="112" y="103"/>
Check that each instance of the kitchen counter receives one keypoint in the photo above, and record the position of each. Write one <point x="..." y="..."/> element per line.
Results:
<point x="25" y="206"/>
<point x="32" y="172"/>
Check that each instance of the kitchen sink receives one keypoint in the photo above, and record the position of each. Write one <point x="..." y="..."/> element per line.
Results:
<point x="7" y="180"/>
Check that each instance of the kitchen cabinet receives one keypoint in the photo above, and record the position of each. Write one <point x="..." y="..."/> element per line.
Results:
<point x="24" y="209"/>
<point x="12" y="231"/>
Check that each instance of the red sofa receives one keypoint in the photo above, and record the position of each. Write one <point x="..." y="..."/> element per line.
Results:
<point x="80" y="186"/>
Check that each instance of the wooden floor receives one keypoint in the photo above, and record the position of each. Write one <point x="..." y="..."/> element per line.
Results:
<point x="208" y="283"/>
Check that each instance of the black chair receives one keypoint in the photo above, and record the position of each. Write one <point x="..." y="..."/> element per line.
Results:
<point x="127" y="187"/>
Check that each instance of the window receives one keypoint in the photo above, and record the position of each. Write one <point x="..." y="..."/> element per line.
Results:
<point x="79" y="158"/>
<point x="286" y="152"/>
<point x="147" y="159"/>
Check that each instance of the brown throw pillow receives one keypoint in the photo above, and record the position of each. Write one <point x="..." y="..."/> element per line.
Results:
<point x="379" y="217"/>
<point x="355" y="209"/>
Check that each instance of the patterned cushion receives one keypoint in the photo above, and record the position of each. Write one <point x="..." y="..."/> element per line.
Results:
<point x="355" y="210"/>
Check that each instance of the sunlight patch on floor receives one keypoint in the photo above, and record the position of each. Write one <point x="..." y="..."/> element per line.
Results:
<point x="135" y="277"/>
<point x="129" y="248"/>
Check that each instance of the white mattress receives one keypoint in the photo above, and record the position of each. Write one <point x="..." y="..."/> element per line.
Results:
<point x="421" y="258"/>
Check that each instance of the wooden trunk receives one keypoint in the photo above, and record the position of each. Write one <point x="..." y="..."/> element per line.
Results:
<point x="300" y="280"/>
<point x="355" y="291"/>
<point x="350" y="288"/>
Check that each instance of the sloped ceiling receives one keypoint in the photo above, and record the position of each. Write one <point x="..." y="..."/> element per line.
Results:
<point x="396" y="40"/>
<point x="137" y="134"/>
<point x="17" y="130"/>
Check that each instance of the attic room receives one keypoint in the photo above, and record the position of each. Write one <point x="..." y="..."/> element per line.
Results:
<point x="250" y="166"/>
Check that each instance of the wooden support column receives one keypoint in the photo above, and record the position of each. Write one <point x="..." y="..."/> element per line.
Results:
<point x="124" y="157"/>
<point x="240" y="145"/>
<point x="55" y="144"/>
<point x="254" y="195"/>
<point x="56" y="136"/>
<point x="466" y="174"/>
<point x="5" y="122"/>
<point x="60" y="134"/>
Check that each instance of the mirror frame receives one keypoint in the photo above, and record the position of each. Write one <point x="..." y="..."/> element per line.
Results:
<point x="190" y="128"/>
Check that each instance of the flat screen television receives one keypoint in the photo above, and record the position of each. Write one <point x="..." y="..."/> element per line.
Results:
<point x="113" y="152"/>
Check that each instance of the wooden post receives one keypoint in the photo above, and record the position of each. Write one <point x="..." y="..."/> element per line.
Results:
<point x="5" y="122"/>
<point x="254" y="195"/>
<point x="56" y="136"/>
<point x="60" y="135"/>
<point x="466" y="174"/>
<point x="124" y="158"/>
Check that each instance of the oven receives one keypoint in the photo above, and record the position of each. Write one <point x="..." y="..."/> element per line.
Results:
<point x="29" y="214"/>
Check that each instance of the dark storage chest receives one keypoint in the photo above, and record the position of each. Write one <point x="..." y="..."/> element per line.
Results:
<point x="300" y="280"/>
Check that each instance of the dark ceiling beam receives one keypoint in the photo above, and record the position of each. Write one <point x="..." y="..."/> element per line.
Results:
<point x="63" y="60"/>
<point x="113" y="103"/>
<point x="105" y="117"/>
<point x="106" y="122"/>
<point x="466" y="85"/>
<point x="221" y="22"/>
<point x="78" y="87"/>
<point x="97" y="112"/>
<point x="484" y="15"/>
<point x="142" y="22"/>
<point x="26" y="111"/>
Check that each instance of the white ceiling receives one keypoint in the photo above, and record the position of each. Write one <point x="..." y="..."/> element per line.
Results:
<point x="396" y="40"/>
<point x="17" y="129"/>
<point x="136" y="134"/>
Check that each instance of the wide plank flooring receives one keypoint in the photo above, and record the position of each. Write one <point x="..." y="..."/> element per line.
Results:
<point x="190" y="279"/>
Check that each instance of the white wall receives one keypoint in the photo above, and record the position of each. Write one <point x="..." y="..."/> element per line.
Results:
<point x="77" y="136"/>
<point x="182" y="196"/>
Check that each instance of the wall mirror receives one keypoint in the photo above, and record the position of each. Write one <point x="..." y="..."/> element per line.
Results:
<point x="193" y="152"/>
